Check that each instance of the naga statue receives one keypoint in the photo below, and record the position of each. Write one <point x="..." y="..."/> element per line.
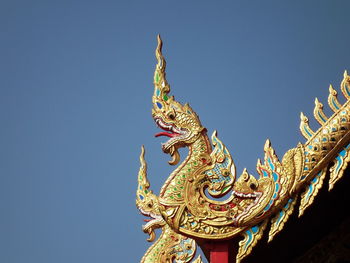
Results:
<point x="170" y="245"/>
<point x="203" y="200"/>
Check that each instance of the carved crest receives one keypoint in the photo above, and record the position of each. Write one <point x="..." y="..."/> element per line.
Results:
<point x="203" y="199"/>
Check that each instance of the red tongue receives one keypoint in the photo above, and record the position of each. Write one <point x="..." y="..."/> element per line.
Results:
<point x="165" y="134"/>
<point x="147" y="220"/>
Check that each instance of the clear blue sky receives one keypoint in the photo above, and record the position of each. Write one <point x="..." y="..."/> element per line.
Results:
<point x="75" y="100"/>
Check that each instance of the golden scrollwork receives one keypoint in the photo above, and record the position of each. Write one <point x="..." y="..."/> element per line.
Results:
<point x="203" y="199"/>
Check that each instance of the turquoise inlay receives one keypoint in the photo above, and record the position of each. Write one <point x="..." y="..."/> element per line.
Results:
<point x="342" y="153"/>
<point x="255" y="229"/>
<point x="334" y="104"/>
<point x="220" y="145"/>
<point x="265" y="174"/>
<point x="310" y="147"/>
<point x="347" y="90"/>
<point x="250" y="232"/>
<point x="343" y="120"/>
<point x="275" y="177"/>
<point x="268" y="206"/>
<point x="270" y="163"/>
<point x="303" y="177"/>
<point x="324" y="139"/>
<point x="313" y="182"/>
<point x="307" y="131"/>
<point x="158" y="92"/>
<point x="334" y="129"/>
<point x="305" y="168"/>
<point x="306" y="160"/>
<point x="281" y="214"/>
<point x="288" y="203"/>
<point x="306" y="153"/>
<point x="277" y="187"/>
<point x="340" y="162"/>
<point x="189" y="112"/>
<point x="250" y="237"/>
<point x="321" y="117"/>
<point x="311" y="187"/>
<point x="318" y="175"/>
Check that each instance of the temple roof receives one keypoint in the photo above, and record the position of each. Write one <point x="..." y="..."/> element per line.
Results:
<point x="322" y="234"/>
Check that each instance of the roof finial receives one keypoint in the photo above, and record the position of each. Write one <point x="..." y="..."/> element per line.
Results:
<point x="161" y="86"/>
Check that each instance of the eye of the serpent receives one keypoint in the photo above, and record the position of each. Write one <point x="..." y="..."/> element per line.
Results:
<point x="172" y="116"/>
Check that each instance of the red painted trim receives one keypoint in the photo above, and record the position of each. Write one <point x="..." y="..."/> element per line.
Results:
<point x="220" y="251"/>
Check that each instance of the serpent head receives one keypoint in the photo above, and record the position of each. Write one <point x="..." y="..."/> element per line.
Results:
<point x="179" y="122"/>
<point x="147" y="202"/>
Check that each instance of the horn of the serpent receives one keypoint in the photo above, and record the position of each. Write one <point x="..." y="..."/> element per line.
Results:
<point x="161" y="86"/>
<point x="143" y="183"/>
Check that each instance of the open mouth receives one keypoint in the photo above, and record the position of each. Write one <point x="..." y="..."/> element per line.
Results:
<point x="244" y="195"/>
<point x="237" y="220"/>
<point x="178" y="136"/>
<point x="151" y="217"/>
<point x="151" y="221"/>
<point x="169" y="129"/>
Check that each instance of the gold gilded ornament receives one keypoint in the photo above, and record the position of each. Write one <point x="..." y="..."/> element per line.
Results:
<point x="190" y="204"/>
<point x="170" y="246"/>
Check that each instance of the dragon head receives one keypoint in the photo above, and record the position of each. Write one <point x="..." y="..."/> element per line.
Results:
<point x="179" y="122"/>
<point x="147" y="202"/>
